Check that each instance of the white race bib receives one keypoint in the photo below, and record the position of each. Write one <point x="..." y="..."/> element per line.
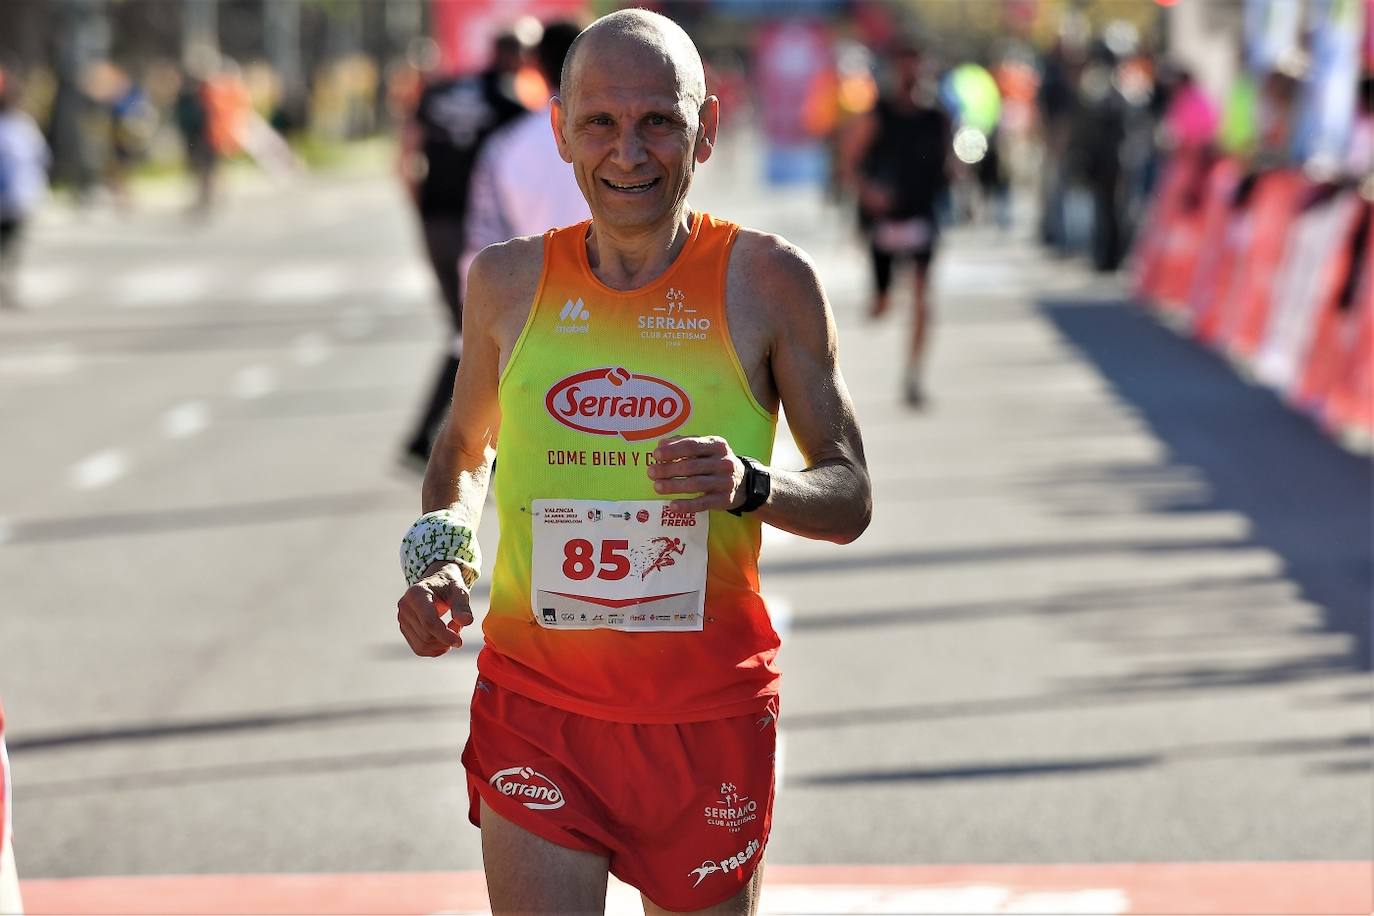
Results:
<point x="631" y="565"/>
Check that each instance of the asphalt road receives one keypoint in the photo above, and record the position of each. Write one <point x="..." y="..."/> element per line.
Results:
<point x="1113" y="606"/>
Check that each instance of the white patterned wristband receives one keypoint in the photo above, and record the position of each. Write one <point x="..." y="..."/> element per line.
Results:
<point x="438" y="536"/>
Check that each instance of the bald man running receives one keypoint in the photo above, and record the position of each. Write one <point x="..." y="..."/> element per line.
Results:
<point x="629" y="370"/>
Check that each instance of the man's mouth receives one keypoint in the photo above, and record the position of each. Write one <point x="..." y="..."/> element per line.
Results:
<point x="628" y="187"/>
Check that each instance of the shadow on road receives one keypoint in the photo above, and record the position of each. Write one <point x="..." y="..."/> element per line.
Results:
<point x="20" y="744"/>
<point x="1243" y="750"/>
<point x="1306" y="498"/>
<point x="118" y="524"/>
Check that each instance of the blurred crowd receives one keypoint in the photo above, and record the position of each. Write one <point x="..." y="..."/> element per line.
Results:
<point x="1079" y="124"/>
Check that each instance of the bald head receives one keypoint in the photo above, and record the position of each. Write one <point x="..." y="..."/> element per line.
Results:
<point x="645" y="33"/>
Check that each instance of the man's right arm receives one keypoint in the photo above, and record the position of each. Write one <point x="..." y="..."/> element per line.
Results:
<point x="460" y="462"/>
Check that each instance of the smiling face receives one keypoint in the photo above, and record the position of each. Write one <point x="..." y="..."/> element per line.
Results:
<point x="633" y="123"/>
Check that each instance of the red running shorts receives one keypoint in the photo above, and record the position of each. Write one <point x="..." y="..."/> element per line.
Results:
<point x="681" y="811"/>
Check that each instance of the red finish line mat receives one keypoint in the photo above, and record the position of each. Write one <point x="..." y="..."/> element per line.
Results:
<point x="1196" y="888"/>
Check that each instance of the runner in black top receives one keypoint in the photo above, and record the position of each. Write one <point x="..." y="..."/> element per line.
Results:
<point x="440" y="144"/>
<point x="895" y="161"/>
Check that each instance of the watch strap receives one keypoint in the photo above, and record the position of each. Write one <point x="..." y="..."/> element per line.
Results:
<point x="757" y="485"/>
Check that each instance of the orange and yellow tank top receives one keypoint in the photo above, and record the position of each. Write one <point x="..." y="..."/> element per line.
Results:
<point x="604" y="602"/>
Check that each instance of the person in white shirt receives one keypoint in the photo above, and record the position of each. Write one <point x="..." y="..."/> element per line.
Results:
<point x="23" y="179"/>
<point x="521" y="186"/>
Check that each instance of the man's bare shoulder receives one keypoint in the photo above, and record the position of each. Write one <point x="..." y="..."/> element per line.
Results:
<point x="780" y="274"/>
<point x="505" y="276"/>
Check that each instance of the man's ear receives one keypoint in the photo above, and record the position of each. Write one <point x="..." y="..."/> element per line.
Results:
<point x="557" y="121"/>
<point x="706" y="132"/>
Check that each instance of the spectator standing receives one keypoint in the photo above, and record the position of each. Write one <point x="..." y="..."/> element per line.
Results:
<point x="192" y="116"/>
<point x="24" y="162"/>
<point x="521" y="185"/>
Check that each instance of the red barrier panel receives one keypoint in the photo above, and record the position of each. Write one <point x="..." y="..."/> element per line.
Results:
<point x="1256" y="238"/>
<point x="1196" y="184"/>
<point x="1225" y="235"/>
<point x="1275" y="214"/>
<point x="1272" y="269"/>
<point x="1308" y="283"/>
<point x="1338" y="379"/>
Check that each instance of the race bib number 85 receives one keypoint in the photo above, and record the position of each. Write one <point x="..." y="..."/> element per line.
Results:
<point x="632" y="565"/>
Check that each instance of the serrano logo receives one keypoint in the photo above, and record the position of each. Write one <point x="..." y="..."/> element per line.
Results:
<point x="534" y="787"/>
<point x="614" y="402"/>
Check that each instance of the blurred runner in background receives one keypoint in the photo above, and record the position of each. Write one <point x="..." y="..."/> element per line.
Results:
<point x="133" y="121"/>
<point x="521" y="186"/>
<point x="23" y="181"/>
<point x="439" y="148"/>
<point x="896" y="163"/>
<point x="10" y="902"/>
<point x="192" y="116"/>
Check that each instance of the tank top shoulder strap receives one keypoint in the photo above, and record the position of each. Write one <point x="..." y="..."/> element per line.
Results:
<point x="562" y="250"/>
<point x="711" y="260"/>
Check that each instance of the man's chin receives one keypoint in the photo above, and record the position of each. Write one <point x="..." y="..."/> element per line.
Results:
<point x="630" y="213"/>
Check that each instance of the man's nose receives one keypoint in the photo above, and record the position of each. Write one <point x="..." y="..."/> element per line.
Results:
<point x="629" y="149"/>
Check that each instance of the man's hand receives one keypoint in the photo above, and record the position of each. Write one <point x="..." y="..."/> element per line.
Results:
<point x="421" y="608"/>
<point x="698" y="464"/>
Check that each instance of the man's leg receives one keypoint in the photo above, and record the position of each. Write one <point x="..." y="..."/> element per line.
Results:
<point x="528" y="874"/>
<point x="745" y="903"/>
<point x="443" y="245"/>
<point x="920" y="331"/>
<point x="882" y="280"/>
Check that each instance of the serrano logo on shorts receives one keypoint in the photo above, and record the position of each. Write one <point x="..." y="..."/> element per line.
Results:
<point x="522" y="782"/>
<point x="612" y="401"/>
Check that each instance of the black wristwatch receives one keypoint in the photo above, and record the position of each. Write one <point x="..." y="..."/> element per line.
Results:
<point x="757" y="485"/>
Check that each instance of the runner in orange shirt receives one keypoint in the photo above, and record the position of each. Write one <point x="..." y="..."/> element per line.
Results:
<point x="624" y="717"/>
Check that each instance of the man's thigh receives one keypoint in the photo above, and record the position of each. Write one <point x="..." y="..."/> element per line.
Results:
<point x="529" y="874"/>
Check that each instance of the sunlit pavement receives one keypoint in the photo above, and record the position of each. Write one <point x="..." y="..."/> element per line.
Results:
<point x="1112" y="607"/>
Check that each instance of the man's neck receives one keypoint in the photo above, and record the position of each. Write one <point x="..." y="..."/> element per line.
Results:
<point x="629" y="259"/>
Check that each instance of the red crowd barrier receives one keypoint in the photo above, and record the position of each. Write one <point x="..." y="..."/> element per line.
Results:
<point x="1272" y="269"/>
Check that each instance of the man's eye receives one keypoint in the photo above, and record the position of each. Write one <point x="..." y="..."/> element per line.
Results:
<point x="657" y="120"/>
<point x="601" y="121"/>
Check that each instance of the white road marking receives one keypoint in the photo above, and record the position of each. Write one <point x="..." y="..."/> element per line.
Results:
<point x="99" y="470"/>
<point x="972" y="898"/>
<point x="161" y="286"/>
<point x="310" y="349"/>
<point x="185" y="420"/>
<point x="301" y="283"/>
<point x="801" y="899"/>
<point x="409" y="281"/>
<point x="47" y="362"/>
<point x="253" y="382"/>
<point x="38" y="287"/>
<point x="780" y="612"/>
<point x="356" y="322"/>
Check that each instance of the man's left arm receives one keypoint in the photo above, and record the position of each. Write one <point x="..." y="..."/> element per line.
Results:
<point x="831" y="498"/>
